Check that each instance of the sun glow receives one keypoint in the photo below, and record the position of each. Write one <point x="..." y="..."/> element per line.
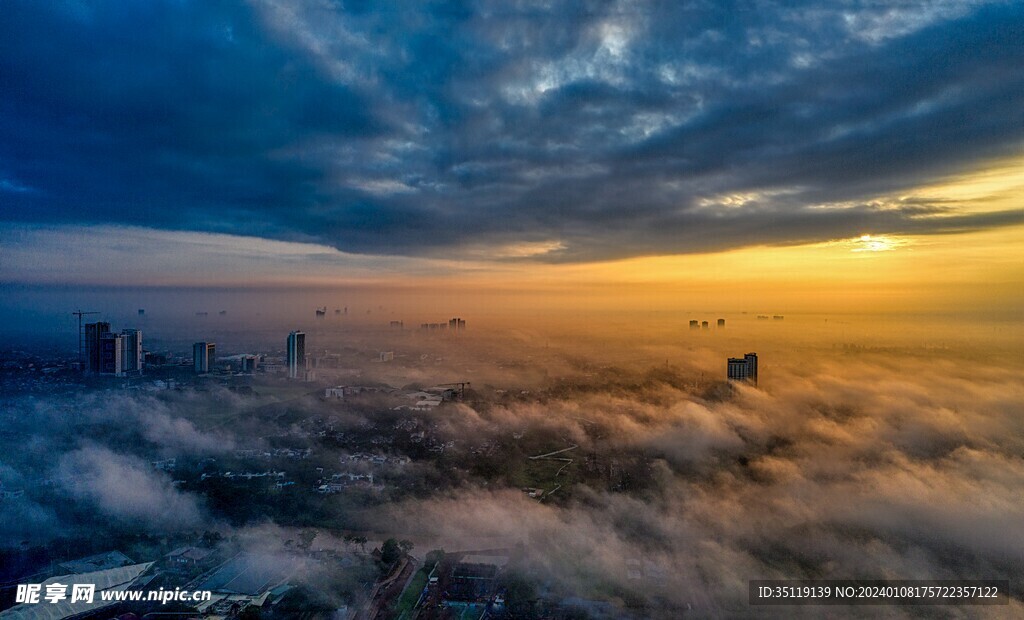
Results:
<point x="877" y="243"/>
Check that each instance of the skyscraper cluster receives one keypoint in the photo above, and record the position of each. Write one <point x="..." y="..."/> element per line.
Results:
<point x="453" y="325"/>
<point x="108" y="353"/>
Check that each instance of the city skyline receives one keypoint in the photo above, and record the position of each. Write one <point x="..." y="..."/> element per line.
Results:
<point x="531" y="310"/>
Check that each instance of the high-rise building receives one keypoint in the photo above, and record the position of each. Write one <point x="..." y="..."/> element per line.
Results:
<point x="204" y="354"/>
<point x="704" y="325"/>
<point x="248" y="363"/>
<point x="296" y="355"/>
<point x="456" y="324"/>
<point x="743" y="369"/>
<point x="721" y="322"/>
<point x="694" y="324"/>
<point x="131" y="351"/>
<point x="93" y="332"/>
<point x="110" y="355"/>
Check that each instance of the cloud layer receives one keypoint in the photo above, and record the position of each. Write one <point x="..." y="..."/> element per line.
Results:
<point x="582" y="131"/>
<point x="899" y="458"/>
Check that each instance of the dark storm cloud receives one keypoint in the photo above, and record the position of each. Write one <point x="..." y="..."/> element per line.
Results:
<point x="617" y="129"/>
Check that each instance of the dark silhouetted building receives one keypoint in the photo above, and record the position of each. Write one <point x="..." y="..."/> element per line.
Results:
<point x="721" y="322"/>
<point x="694" y="324"/>
<point x="203" y="356"/>
<point x="93" y="332"/>
<point x="296" y="355"/>
<point x="743" y="368"/>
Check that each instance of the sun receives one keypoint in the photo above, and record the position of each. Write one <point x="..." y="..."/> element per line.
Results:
<point x="876" y="243"/>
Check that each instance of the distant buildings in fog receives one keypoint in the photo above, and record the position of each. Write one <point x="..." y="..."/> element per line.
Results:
<point x="105" y="352"/>
<point x="697" y="325"/>
<point x="743" y="368"/>
<point x="453" y="325"/>
<point x="112" y="354"/>
<point x="131" y="351"/>
<point x="248" y="363"/>
<point x="204" y="354"/>
<point x="296" y="355"/>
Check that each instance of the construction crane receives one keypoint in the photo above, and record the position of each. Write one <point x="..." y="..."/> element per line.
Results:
<point x="80" y="314"/>
<point x="462" y="387"/>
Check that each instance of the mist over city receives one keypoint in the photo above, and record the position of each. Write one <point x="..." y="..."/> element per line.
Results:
<point x="329" y="310"/>
<point x="868" y="448"/>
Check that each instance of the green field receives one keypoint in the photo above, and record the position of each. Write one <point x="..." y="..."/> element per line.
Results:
<point x="541" y="474"/>
<point x="412" y="593"/>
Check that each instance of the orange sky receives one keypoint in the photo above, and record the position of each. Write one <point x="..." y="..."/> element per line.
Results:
<point x="973" y="271"/>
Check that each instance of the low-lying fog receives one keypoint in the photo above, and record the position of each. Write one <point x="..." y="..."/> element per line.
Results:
<point x="870" y="449"/>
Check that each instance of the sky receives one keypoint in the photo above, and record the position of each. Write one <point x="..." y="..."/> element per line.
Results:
<point x="815" y="155"/>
